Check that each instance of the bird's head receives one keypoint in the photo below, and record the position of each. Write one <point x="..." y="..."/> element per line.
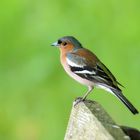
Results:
<point x="67" y="43"/>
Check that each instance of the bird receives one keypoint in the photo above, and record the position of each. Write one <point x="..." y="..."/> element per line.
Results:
<point x="85" y="67"/>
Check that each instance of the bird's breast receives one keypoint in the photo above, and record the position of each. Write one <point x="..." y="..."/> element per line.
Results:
<point x="73" y="75"/>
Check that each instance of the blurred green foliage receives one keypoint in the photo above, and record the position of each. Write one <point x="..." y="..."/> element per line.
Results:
<point x="35" y="93"/>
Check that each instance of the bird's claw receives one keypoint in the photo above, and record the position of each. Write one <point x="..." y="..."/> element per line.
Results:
<point x="78" y="100"/>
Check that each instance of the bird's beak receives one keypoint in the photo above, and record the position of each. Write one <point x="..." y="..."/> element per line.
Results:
<point x="55" y="44"/>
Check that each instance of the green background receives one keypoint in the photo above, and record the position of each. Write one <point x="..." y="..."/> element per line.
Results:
<point x="36" y="94"/>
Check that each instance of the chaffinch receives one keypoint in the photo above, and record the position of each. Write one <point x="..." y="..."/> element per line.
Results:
<point x="84" y="66"/>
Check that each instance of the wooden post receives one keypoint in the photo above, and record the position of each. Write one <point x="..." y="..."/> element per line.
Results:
<point x="89" y="121"/>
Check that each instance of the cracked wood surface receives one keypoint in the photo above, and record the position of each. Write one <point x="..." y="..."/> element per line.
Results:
<point x="89" y="121"/>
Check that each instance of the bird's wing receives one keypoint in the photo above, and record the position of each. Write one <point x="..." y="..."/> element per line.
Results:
<point x="108" y="72"/>
<point x="86" y="65"/>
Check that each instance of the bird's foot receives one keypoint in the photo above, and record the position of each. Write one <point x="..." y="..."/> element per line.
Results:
<point x="78" y="100"/>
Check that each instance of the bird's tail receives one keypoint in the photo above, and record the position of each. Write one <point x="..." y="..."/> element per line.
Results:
<point x="119" y="94"/>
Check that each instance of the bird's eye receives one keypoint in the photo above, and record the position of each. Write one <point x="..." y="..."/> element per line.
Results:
<point x="65" y="43"/>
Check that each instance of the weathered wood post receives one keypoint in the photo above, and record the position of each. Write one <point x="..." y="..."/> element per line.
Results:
<point x="89" y="121"/>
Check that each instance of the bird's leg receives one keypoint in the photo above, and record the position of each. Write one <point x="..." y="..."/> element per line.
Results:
<point x="90" y="88"/>
<point x="78" y="100"/>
